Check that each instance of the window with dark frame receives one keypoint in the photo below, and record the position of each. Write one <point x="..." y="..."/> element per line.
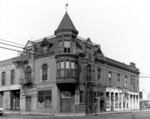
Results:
<point x="45" y="98"/>
<point x="3" y="78"/>
<point x="44" y="72"/>
<point x="12" y="77"/>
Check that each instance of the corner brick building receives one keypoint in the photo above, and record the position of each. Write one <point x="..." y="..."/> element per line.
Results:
<point x="66" y="73"/>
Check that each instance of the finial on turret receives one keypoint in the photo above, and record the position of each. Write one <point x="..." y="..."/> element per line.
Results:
<point x="66" y="6"/>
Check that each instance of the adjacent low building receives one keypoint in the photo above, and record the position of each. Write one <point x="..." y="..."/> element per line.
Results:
<point x="66" y="73"/>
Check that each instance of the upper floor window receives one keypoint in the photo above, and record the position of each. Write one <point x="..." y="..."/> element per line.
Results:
<point x="118" y="80"/>
<point x="28" y="74"/>
<point x="66" y="46"/>
<point x="89" y="76"/>
<point x="109" y="76"/>
<point x="131" y="81"/>
<point x="66" y="69"/>
<point x="3" y="78"/>
<point x="44" y="72"/>
<point x="12" y="76"/>
<point x="99" y="75"/>
<point x="45" y="49"/>
<point x="125" y="81"/>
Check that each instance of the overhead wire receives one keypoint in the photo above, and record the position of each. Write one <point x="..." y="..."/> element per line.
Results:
<point x="11" y="42"/>
<point x="11" y="45"/>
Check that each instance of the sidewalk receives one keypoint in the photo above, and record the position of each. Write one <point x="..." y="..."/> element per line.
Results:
<point x="72" y="114"/>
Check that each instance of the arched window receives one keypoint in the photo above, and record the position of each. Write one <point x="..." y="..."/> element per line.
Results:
<point x="44" y="72"/>
<point x="28" y="74"/>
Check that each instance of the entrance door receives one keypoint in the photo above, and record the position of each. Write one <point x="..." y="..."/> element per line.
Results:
<point x="28" y="103"/>
<point x="66" y="101"/>
<point x="101" y="105"/>
<point x="14" y="100"/>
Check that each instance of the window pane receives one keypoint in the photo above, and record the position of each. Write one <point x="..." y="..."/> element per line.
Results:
<point x="109" y="75"/>
<point x="72" y="65"/>
<point x="48" y="92"/>
<point x="47" y="101"/>
<point x="67" y="65"/>
<point x="67" y="73"/>
<point x="67" y="44"/>
<point x="62" y="65"/>
<point x="62" y="73"/>
<point x="72" y="73"/>
<point x="40" y="101"/>
<point x="40" y="92"/>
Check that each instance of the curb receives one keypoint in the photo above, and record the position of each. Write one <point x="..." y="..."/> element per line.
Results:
<point x="73" y="114"/>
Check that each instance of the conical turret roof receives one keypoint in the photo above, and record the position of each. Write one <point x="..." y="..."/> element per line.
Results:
<point x="66" y="23"/>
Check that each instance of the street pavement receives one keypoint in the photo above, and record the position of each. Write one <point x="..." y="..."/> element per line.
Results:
<point x="123" y="115"/>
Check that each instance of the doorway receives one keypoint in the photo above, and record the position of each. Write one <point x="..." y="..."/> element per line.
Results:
<point x="65" y="101"/>
<point x="28" y="103"/>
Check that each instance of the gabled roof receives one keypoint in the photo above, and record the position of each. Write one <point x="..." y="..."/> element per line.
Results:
<point x="66" y="23"/>
<point x="88" y="41"/>
<point x="29" y="44"/>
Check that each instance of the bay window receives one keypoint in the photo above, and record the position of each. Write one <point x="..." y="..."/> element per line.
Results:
<point x="66" y="69"/>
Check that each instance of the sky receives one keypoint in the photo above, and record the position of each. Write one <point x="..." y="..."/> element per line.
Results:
<point x="121" y="27"/>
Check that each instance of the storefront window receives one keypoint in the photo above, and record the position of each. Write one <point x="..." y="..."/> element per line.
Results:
<point x="44" y="98"/>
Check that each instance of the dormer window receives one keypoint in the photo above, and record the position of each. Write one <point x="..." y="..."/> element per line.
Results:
<point x="88" y="51"/>
<point x="44" y="49"/>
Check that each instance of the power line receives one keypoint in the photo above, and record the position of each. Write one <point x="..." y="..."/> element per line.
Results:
<point x="10" y="49"/>
<point x="11" y="42"/>
<point x="11" y="45"/>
